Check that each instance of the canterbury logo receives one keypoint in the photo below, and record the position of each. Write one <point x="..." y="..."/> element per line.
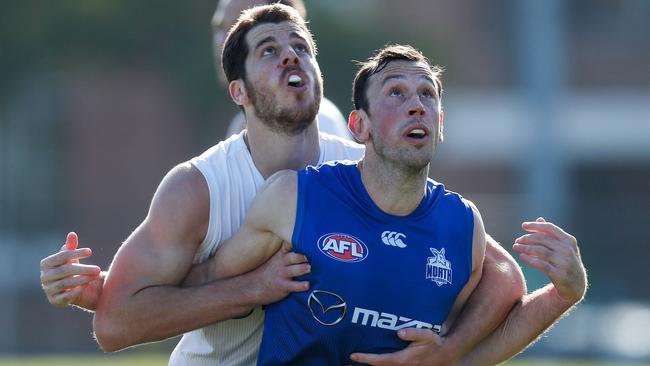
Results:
<point x="393" y="238"/>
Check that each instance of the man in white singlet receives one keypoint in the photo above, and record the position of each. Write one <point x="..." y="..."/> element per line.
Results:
<point x="274" y="77"/>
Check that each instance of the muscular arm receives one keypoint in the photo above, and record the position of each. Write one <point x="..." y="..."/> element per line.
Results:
<point x="150" y="265"/>
<point x="551" y="250"/>
<point x="269" y="221"/>
<point x="502" y="286"/>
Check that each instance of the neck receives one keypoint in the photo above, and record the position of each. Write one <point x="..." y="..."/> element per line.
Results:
<point x="394" y="188"/>
<point x="273" y="151"/>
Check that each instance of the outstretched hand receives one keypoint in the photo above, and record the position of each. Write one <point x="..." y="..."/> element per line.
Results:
<point x="553" y="251"/>
<point x="67" y="282"/>
<point x="426" y="348"/>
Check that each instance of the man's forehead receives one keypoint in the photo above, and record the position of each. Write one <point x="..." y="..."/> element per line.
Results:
<point x="402" y="69"/>
<point x="275" y="30"/>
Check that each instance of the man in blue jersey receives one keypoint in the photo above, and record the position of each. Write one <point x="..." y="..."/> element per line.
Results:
<point x="389" y="249"/>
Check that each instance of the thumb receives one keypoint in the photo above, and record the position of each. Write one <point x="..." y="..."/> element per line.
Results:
<point x="417" y="335"/>
<point x="71" y="241"/>
<point x="540" y="219"/>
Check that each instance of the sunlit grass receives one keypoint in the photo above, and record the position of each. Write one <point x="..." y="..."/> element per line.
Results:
<point x="161" y="359"/>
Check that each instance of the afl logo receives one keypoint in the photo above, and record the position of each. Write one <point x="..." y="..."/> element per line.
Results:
<point x="343" y="247"/>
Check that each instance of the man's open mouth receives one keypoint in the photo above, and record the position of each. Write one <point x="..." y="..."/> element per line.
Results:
<point x="295" y="81"/>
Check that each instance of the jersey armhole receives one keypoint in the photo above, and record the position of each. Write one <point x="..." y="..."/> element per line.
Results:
<point x="301" y="208"/>
<point x="470" y="229"/>
<point x="203" y="252"/>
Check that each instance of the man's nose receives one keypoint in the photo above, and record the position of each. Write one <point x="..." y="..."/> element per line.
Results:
<point x="289" y="57"/>
<point x="416" y="108"/>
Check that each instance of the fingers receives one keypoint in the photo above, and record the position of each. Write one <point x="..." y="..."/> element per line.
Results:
<point x="537" y="239"/>
<point x="63" y="257"/>
<point x="370" y="358"/>
<point x="294" y="258"/>
<point x="418" y="335"/>
<point x="296" y="270"/>
<point x="556" y="255"/>
<point x="296" y="286"/>
<point x="542" y="226"/>
<point x="540" y="264"/>
<point x="555" y="248"/>
<point x="65" y="298"/>
<point x="66" y="284"/>
<point x="68" y="270"/>
<point x="540" y="252"/>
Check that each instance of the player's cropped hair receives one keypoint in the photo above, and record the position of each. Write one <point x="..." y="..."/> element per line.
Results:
<point x="235" y="49"/>
<point x="299" y="5"/>
<point x="379" y="61"/>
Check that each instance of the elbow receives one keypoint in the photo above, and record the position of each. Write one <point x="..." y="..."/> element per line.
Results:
<point x="107" y="333"/>
<point x="516" y="282"/>
<point x="503" y="265"/>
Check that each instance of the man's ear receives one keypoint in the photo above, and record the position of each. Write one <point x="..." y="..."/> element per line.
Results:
<point x="441" y="126"/>
<point x="359" y="125"/>
<point x="238" y="92"/>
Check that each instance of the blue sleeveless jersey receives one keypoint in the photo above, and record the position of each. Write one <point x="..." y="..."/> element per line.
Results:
<point x="371" y="273"/>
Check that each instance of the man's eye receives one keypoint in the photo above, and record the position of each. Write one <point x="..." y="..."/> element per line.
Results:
<point x="395" y="93"/>
<point x="300" y="48"/>
<point x="427" y="94"/>
<point x="268" y="51"/>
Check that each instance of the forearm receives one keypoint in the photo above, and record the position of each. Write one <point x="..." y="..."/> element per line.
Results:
<point x="527" y="321"/>
<point x="159" y="312"/>
<point x="501" y="286"/>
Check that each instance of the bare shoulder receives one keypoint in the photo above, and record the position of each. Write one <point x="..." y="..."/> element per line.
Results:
<point x="274" y="207"/>
<point x="182" y="198"/>
<point x="184" y="185"/>
<point x="479" y="237"/>
<point x="283" y="182"/>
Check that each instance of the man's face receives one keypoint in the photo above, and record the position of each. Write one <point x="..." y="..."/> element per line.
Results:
<point x="283" y="79"/>
<point x="404" y="112"/>
<point x="223" y="19"/>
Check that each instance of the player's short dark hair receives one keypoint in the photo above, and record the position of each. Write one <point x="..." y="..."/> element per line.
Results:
<point x="299" y="5"/>
<point x="379" y="61"/>
<point x="235" y="49"/>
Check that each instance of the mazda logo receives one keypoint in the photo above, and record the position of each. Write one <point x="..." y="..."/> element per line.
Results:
<point x="327" y="307"/>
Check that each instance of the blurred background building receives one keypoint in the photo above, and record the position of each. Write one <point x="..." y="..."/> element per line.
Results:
<point x="547" y="107"/>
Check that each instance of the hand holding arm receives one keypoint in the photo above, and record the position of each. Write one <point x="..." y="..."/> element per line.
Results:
<point x="151" y="264"/>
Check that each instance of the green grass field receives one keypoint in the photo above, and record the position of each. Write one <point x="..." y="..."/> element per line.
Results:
<point x="155" y="360"/>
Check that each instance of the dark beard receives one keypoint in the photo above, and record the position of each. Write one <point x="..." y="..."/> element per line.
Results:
<point x="287" y="121"/>
<point x="400" y="160"/>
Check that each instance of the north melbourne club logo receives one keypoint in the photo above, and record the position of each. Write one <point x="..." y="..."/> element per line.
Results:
<point x="438" y="268"/>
